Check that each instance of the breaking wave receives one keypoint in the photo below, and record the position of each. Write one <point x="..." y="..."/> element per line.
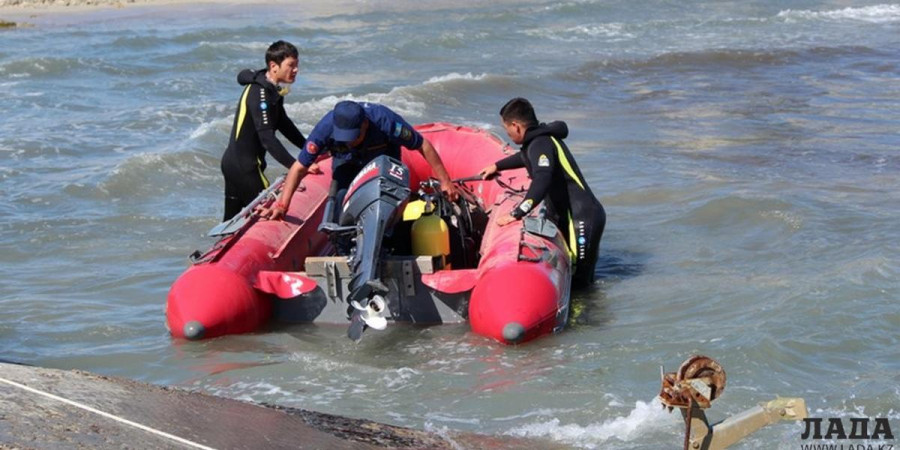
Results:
<point x="646" y="417"/>
<point x="871" y="14"/>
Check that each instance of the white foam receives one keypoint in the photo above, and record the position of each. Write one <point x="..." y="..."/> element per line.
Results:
<point x="872" y="14"/>
<point x="452" y="76"/>
<point x="399" y="378"/>
<point x="446" y="418"/>
<point x="208" y="127"/>
<point x="484" y="126"/>
<point x="602" y="30"/>
<point x="251" y="391"/>
<point x="443" y="432"/>
<point x="644" y="418"/>
<point x="614" y="31"/>
<point x="319" y="362"/>
<point x="396" y="99"/>
<point x="537" y="412"/>
<point x="251" y="47"/>
<point x="400" y="99"/>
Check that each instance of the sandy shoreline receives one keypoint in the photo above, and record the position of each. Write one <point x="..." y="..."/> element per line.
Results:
<point x="22" y="12"/>
<point x="35" y="6"/>
<point x="31" y="12"/>
<point x="52" y="3"/>
<point x="81" y="5"/>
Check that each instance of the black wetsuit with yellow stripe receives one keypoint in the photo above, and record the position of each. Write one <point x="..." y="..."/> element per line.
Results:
<point x="557" y="180"/>
<point x="260" y="112"/>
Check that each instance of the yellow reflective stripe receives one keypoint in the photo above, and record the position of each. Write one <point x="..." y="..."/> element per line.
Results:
<point x="242" y="112"/>
<point x="261" y="174"/>
<point x="573" y="238"/>
<point x="561" y="156"/>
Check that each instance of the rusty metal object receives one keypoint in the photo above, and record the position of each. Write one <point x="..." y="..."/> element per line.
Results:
<point x="698" y="381"/>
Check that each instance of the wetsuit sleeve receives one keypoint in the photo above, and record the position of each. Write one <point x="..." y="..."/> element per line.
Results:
<point x="258" y="107"/>
<point x="290" y="131"/>
<point x="316" y="142"/>
<point x="395" y="127"/>
<point x="543" y="162"/>
<point x="276" y="148"/>
<point x="513" y="161"/>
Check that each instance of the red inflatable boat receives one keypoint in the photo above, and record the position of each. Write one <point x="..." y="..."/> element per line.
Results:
<point x="512" y="286"/>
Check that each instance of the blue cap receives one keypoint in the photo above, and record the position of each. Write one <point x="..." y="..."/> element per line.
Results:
<point x="348" y="117"/>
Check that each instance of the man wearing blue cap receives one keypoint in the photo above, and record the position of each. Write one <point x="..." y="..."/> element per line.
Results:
<point x="355" y="133"/>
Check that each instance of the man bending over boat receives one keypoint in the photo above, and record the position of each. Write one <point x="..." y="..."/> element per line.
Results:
<point x="556" y="180"/>
<point x="259" y="114"/>
<point x="355" y="133"/>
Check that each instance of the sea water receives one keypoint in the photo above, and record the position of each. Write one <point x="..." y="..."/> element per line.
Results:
<point x="746" y="154"/>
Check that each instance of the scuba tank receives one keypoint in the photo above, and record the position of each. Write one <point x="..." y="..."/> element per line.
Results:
<point x="430" y="235"/>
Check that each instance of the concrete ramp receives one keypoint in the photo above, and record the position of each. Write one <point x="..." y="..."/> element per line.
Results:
<point x="48" y="408"/>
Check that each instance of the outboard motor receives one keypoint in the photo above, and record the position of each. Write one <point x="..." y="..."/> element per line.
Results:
<point x="373" y="203"/>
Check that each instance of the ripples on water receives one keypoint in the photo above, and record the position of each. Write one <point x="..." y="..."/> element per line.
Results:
<point x="745" y="153"/>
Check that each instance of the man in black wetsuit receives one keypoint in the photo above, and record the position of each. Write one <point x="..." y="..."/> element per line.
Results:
<point x="556" y="180"/>
<point x="260" y="112"/>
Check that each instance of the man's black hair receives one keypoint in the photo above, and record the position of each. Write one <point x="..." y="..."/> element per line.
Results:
<point x="519" y="109"/>
<point x="279" y="51"/>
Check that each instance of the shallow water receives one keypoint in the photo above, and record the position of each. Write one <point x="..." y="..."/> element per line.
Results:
<point x="746" y="154"/>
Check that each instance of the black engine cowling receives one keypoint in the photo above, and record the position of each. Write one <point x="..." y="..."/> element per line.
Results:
<point x="374" y="203"/>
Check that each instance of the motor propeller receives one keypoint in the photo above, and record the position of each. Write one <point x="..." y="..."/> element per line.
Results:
<point x="373" y="313"/>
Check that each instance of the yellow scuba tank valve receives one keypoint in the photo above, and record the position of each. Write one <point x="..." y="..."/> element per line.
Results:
<point x="413" y="210"/>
